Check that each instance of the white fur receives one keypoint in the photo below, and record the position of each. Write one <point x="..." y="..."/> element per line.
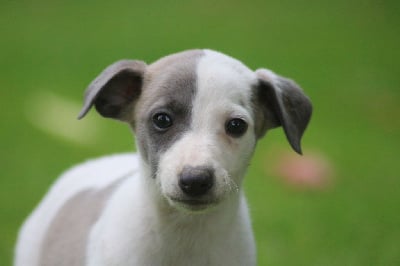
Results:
<point x="141" y="223"/>
<point x="94" y="174"/>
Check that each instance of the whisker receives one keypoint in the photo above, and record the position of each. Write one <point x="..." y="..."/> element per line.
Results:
<point x="231" y="184"/>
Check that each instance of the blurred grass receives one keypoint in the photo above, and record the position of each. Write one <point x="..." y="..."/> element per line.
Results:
<point x="345" y="54"/>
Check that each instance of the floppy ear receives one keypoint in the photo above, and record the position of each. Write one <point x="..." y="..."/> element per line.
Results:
<point x="115" y="90"/>
<point x="282" y="103"/>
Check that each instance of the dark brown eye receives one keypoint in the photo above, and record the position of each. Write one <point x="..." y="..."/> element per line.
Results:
<point x="236" y="127"/>
<point x="162" y="121"/>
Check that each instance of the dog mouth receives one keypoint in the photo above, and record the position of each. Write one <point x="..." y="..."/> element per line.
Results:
<point x="193" y="204"/>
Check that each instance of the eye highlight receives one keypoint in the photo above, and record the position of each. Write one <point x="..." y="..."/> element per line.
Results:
<point x="162" y="121"/>
<point x="236" y="127"/>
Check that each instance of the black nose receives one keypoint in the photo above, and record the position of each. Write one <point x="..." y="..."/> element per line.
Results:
<point x="196" y="181"/>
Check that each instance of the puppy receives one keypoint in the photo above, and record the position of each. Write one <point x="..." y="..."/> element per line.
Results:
<point x="197" y="116"/>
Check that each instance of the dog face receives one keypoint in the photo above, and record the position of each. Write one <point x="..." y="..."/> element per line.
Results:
<point x="197" y="116"/>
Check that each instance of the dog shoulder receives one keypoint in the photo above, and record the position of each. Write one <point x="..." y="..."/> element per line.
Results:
<point x="82" y="182"/>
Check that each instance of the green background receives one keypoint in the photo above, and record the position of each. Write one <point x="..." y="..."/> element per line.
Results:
<point x="345" y="54"/>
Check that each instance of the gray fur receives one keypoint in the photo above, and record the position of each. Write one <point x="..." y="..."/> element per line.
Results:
<point x="65" y="240"/>
<point x="115" y="89"/>
<point x="283" y="103"/>
<point x="169" y="86"/>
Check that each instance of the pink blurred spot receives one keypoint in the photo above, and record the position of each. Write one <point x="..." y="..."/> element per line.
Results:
<point x="308" y="171"/>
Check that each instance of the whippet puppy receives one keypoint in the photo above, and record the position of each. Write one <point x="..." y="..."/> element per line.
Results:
<point x="197" y="116"/>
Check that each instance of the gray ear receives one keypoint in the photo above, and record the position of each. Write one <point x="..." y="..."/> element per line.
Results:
<point x="282" y="103"/>
<point x="115" y="90"/>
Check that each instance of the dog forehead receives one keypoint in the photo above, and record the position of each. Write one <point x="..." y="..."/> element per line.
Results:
<point x="207" y="76"/>
<point x="221" y="74"/>
<point x="171" y="64"/>
<point x="223" y="79"/>
<point x="171" y="78"/>
<point x="218" y="63"/>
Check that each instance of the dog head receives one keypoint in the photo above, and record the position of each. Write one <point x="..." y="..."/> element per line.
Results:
<point x="197" y="116"/>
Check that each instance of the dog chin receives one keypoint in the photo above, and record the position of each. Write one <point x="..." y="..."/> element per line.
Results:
<point x="192" y="205"/>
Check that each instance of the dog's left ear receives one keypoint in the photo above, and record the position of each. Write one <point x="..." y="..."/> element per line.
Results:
<point x="115" y="90"/>
<point x="281" y="102"/>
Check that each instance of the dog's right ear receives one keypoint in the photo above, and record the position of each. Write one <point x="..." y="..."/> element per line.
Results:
<point x="115" y="90"/>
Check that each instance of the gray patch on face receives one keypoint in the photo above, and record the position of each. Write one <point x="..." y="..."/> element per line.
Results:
<point x="66" y="239"/>
<point x="170" y="85"/>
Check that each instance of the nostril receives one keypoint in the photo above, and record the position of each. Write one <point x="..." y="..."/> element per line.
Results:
<point x="196" y="181"/>
<point x="188" y="182"/>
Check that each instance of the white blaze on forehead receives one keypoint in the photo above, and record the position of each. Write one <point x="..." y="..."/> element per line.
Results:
<point x="223" y="89"/>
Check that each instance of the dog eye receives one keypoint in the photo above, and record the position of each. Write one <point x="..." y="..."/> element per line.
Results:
<point x="236" y="127"/>
<point x="162" y="121"/>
